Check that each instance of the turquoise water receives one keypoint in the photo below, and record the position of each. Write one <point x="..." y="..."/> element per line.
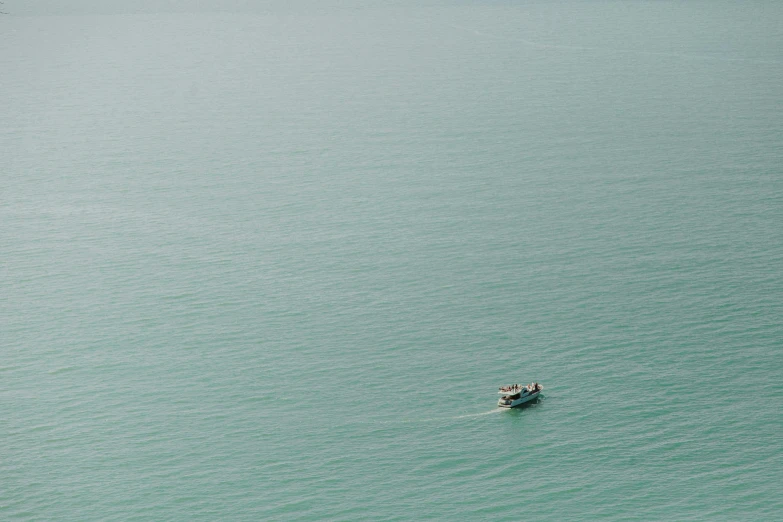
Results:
<point x="273" y="264"/>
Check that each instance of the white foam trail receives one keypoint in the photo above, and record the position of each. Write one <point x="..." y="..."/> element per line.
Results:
<point x="436" y="419"/>
<point x="496" y="410"/>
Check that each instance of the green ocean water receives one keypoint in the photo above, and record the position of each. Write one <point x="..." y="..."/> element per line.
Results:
<point x="273" y="263"/>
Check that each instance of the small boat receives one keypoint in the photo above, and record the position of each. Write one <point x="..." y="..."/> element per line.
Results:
<point x="516" y="395"/>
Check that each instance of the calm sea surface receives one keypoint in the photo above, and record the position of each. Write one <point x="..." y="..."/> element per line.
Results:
<point x="274" y="264"/>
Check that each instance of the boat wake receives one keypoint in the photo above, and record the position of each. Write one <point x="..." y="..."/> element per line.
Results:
<point x="437" y="419"/>
<point x="579" y="48"/>
<point x="490" y="412"/>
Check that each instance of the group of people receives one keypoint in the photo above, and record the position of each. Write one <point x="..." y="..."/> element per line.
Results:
<point x="514" y="388"/>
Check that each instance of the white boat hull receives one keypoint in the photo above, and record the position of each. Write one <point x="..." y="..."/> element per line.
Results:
<point x="520" y="401"/>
